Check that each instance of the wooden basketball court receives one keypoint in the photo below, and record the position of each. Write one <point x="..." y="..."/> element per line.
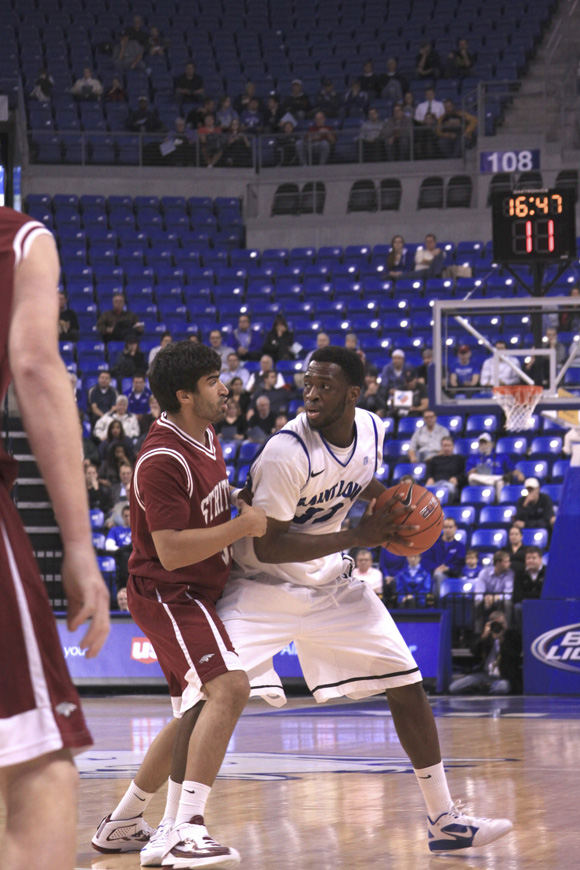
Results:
<point x="328" y="787"/>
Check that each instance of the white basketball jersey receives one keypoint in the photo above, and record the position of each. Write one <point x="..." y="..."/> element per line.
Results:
<point x="299" y="476"/>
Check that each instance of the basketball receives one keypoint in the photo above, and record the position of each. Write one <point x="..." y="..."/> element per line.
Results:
<point x="427" y="514"/>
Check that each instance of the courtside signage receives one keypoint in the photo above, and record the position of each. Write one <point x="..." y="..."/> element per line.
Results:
<point x="559" y="648"/>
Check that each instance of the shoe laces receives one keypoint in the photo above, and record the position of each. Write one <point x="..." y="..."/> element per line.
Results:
<point x="456" y="809"/>
<point x="162" y="832"/>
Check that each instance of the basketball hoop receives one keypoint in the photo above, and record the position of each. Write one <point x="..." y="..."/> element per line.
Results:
<point x="518" y="403"/>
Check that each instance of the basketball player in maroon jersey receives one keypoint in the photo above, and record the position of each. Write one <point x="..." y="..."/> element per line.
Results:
<point x="182" y="535"/>
<point x="41" y="720"/>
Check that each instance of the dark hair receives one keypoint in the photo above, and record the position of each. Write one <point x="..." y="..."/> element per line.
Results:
<point x="113" y="423"/>
<point x="179" y="366"/>
<point x="472" y="553"/>
<point x="500" y="555"/>
<point x="533" y="549"/>
<point x="349" y="361"/>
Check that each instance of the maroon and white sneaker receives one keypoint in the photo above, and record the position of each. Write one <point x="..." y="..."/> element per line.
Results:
<point x="122" y="835"/>
<point x="190" y="846"/>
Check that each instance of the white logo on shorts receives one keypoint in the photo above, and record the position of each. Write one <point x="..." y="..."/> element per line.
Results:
<point x="206" y="658"/>
<point x="65" y="709"/>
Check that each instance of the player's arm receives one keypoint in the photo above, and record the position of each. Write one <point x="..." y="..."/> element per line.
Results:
<point x="177" y="549"/>
<point x="50" y="418"/>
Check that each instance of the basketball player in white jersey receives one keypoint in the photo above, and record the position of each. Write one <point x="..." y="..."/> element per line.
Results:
<point x="295" y="585"/>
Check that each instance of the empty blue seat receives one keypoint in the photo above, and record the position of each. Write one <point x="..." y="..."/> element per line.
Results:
<point x="535" y="538"/>
<point x="416" y="469"/>
<point x="534" y="468"/>
<point x="464" y="515"/>
<point x="481" y="423"/>
<point x="488" y="539"/>
<point x="498" y="516"/>
<point x="511" y="493"/>
<point x="481" y="495"/>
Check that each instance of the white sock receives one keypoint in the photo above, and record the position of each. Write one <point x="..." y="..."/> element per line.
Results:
<point x="173" y="797"/>
<point x="433" y="784"/>
<point x="132" y="804"/>
<point x="192" y="802"/>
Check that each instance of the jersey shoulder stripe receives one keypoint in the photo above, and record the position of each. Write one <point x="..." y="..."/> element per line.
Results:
<point x="24" y="238"/>
<point x="161" y="451"/>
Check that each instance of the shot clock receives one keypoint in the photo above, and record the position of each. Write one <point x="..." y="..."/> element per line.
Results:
<point x="533" y="226"/>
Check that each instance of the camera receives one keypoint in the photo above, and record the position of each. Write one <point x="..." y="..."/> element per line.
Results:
<point x="496" y="627"/>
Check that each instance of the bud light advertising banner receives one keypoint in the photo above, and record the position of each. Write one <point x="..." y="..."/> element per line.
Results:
<point x="551" y="647"/>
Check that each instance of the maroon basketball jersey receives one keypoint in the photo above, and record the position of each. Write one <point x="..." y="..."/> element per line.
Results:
<point x="17" y="232"/>
<point x="179" y="484"/>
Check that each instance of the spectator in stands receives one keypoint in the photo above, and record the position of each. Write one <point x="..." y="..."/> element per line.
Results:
<point x="233" y="426"/>
<point x="463" y="373"/>
<point x="371" y="83"/>
<point x="116" y="93"/>
<point x="261" y="424"/>
<point x="370" y="136"/>
<point x="166" y="338"/>
<point x="373" y="397"/>
<point x="427" y="62"/>
<point x="396" y="134"/>
<point x="429" y="259"/>
<point x="197" y="115"/>
<point x="409" y="107"/>
<point x="120" y="491"/>
<point x="460" y="61"/>
<point x="189" y="85"/>
<point x="272" y="114"/>
<point x="399" y="260"/>
<point x="249" y="341"/>
<point x="279" y="340"/>
<point x="178" y="147"/>
<point x="455" y="130"/>
<point x="119" y="543"/>
<point x="280" y="421"/>
<point x="426" y="139"/>
<point x="277" y="396"/>
<point x="109" y="469"/>
<point x="472" y="567"/>
<point x="497" y="653"/>
<point x="90" y="450"/>
<point x="534" y="510"/>
<point x="327" y="100"/>
<point x="156" y="44"/>
<point x="516" y="549"/>
<point x="394" y="375"/>
<point x="68" y="322"/>
<point x="447" y="468"/>
<point x="102" y="397"/>
<point x="414" y="585"/>
<point x="412" y="400"/>
<point x="251" y="119"/>
<point x="426" y="440"/>
<point x="148" y="419"/>
<point x="528" y="581"/>
<point x="136" y="31"/>
<point x="241" y="395"/>
<point x="494" y="588"/>
<point x="226" y="113"/>
<point x="430" y="105"/>
<point x="507" y="375"/>
<point x="216" y="343"/>
<point x="488" y="468"/>
<point x="130" y="360"/>
<point x="144" y="119"/>
<point x="552" y="341"/>
<point x="355" y="103"/>
<point x="446" y="558"/>
<point x="115" y="435"/>
<point x="423" y="370"/>
<point x="138" y="396"/>
<point x="233" y="369"/>
<point x="322" y="340"/>
<point x="286" y="143"/>
<point x="121" y="413"/>
<point x="87" y="87"/>
<point x="43" y="87"/>
<point x="256" y="381"/>
<point x="394" y="85"/>
<point x="242" y="101"/>
<point x="128" y="53"/>
<point x="317" y="143"/>
<point x="298" y="103"/>
<point x="389" y="566"/>
<point x="364" y="570"/>
<point x="212" y="141"/>
<point x="237" y="150"/>
<point x="99" y="496"/>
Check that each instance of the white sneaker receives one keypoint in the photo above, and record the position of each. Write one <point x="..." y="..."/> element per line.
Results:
<point x="190" y="846"/>
<point x="153" y="852"/>
<point x="456" y="830"/>
<point x="122" y="835"/>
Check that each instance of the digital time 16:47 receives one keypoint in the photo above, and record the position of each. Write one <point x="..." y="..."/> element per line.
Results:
<point x="528" y="205"/>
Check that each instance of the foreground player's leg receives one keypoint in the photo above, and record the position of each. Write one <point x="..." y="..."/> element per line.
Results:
<point x="448" y="827"/>
<point x="190" y="845"/>
<point x="40" y="797"/>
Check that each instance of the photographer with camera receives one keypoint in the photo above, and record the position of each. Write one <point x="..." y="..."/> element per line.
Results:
<point x="497" y="652"/>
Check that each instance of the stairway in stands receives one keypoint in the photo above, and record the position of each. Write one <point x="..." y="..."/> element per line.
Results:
<point x="31" y="499"/>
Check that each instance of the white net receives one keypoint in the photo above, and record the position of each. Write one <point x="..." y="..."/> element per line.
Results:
<point x="518" y="404"/>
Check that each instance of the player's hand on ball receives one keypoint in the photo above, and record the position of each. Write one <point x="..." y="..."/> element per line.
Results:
<point x="255" y="519"/>
<point x="382" y="525"/>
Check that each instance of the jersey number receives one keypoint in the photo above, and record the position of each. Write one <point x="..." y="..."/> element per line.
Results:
<point x="311" y="512"/>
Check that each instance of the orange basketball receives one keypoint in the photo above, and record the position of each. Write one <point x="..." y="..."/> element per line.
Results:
<point x="427" y="514"/>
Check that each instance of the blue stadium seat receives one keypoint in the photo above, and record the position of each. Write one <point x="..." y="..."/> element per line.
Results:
<point x="497" y="516"/>
<point x="546" y="446"/>
<point x="464" y="515"/>
<point x="416" y="469"/>
<point x="441" y="492"/>
<point x="481" y="423"/>
<point x="512" y="445"/>
<point x="488" y="539"/>
<point x="511" y="493"/>
<point x="539" y="468"/>
<point x="535" y="537"/>
<point x="554" y="490"/>
<point x="478" y="495"/>
<point x="559" y="470"/>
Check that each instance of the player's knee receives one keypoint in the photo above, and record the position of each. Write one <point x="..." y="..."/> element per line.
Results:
<point x="231" y="689"/>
